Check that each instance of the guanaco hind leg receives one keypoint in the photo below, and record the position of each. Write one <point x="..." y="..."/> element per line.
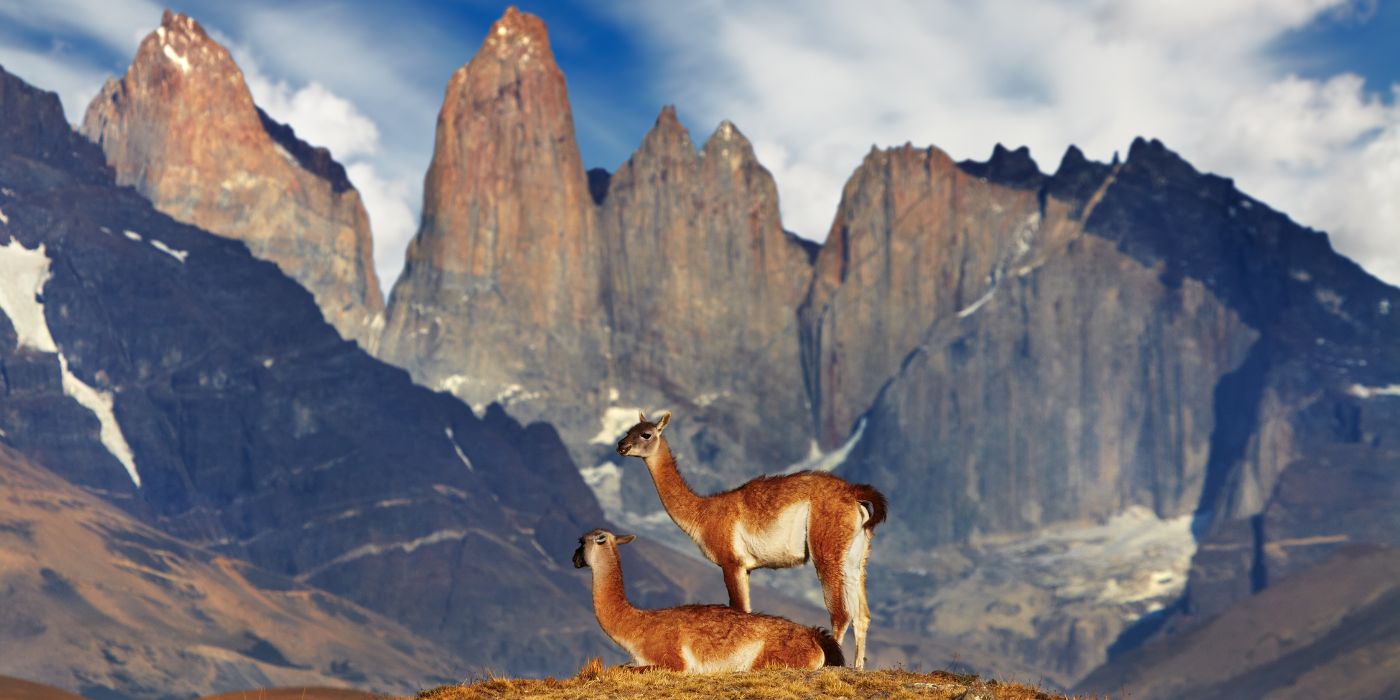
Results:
<point x="862" y="609"/>
<point x="828" y="555"/>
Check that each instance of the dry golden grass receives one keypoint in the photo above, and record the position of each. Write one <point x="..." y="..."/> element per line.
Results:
<point x="595" y="681"/>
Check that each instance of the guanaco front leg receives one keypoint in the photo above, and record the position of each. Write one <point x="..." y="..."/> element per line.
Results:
<point x="736" y="579"/>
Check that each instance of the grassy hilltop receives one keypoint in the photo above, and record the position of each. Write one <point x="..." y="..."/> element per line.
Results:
<point x="595" y="681"/>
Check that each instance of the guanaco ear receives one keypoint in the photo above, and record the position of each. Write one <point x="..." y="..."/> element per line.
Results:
<point x="625" y="539"/>
<point x="641" y="417"/>
<point x="662" y="421"/>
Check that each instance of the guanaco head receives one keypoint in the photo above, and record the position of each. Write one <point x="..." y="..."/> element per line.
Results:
<point x="589" y="544"/>
<point x="644" y="437"/>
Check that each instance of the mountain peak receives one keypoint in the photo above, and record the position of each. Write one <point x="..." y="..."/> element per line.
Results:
<point x="729" y="143"/>
<point x="667" y="118"/>
<point x="727" y="133"/>
<point x="505" y="185"/>
<point x="1014" y="168"/>
<point x="669" y="125"/>
<point x="518" y="36"/>
<point x="32" y="124"/>
<point x="931" y="158"/>
<point x="668" y="136"/>
<point x="180" y="24"/>
<point x="181" y="127"/>
<point x="26" y="113"/>
<point x="182" y="43"/>
<point x="1151" y="155"/>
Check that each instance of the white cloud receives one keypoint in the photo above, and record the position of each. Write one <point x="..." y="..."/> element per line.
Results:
<point x="313" y="110"/>
<point x="323" y="118"/>
<point x="393" y="213"/>
<point x="116" y="24"/>
<point x="1326" y="153"/>
<point x="813" y="84"/>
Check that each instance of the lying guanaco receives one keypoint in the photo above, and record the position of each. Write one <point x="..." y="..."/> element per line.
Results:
<point x="695" y="638"/>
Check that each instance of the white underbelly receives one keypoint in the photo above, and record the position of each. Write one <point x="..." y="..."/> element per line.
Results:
<point x="778" y="544"/>
<point x="741" y="659"/>
<point x="634" y="651"/>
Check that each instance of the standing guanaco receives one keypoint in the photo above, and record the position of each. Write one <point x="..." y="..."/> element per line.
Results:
<point x="773" y="522"/>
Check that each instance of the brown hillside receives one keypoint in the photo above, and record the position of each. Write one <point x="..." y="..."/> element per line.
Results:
<point x="1332" y="631"/>
<point x="96" y="602"/>
<point x="16" y="689"/>
<point x="295" y="694"/>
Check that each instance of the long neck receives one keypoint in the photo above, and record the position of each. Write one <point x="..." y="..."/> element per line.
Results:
<point x="609" y="597"/>
<point x="675" y="494"/>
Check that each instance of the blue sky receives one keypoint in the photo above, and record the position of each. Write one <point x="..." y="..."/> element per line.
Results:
<point x="1295" y="99"/>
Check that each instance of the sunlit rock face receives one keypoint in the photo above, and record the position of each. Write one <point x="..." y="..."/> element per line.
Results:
<point x="181" y="128"/>
<point x="1015" y="370"/>
<point x="668" y="284"/>
<point x="702" y="289"/>
<point x="501" y="287"/>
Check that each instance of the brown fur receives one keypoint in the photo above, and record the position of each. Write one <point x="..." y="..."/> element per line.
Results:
<point x="838" y="511"/>
<point x="693" y="637"/>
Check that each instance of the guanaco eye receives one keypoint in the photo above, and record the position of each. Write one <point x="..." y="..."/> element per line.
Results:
<point x="601" y="539"/>
<point x="646" y="436"/>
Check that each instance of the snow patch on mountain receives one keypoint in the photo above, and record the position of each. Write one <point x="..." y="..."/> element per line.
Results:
<point x="1370" y="392"/>
<point x="453" y="383"/>
<point x="23" y="273"/>
<point x="605" y="480"/>
<point x="179" y="255"/>
<point x="369" y="550"/>
<point x="974" y="306"/>
<point x="176" y="58"/>
<point x="456" y="448"/>
<point x="101" y="404"/>
<point x="819" y="461"/>
<point x="615" y="422"/>
<point x="1133" y="558"/>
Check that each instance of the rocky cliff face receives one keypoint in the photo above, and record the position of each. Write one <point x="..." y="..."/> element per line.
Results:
<point x="168" y="371"/>
<point x="915" y="239"/>
<point x="669" y="283"/>
<point x="702" y="285"/>
<point x="181" y="128"/>
<point x="501" y="286"/>
<point x="1069" y="382"/>
<point x="1154" y="339"/>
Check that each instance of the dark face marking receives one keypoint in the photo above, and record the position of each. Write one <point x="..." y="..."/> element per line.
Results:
<point x="599" y="538"/>
<point x="636" y="439"/>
